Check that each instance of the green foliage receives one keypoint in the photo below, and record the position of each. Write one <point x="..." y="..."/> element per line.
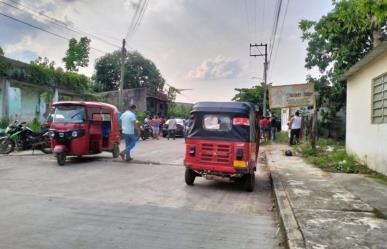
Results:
<point x="5" y="66"/>
<point x="141" y="117"/>
<point x="35" y="125"/>
<point x="4" y="122"/>
<point x="339" y="40"/>
<point x="139" y="72"/>
<point x="330" y="155"/>
<point x="77" y="55"/>
<point x="42" y="72"/>
<point x="282" y="137"/>
<point x="1" y="52"/>
<point x="178" y="111"/>
<point x="253" y="95"/>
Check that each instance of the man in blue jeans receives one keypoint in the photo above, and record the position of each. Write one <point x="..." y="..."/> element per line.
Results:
<point x="128" y="124"/>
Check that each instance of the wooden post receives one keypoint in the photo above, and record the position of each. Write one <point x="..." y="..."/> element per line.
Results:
<point x="313" y="133"/>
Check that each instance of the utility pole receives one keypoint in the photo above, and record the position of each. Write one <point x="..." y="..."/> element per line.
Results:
<point x="121" y="88"/>
<point x="265" y="67"/>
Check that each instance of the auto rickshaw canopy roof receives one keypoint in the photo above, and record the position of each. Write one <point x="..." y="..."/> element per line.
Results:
<point x="106" y="106"/>
<point x="224" y="107"/>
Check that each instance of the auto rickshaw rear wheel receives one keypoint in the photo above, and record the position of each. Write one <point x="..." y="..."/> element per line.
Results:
<point x="249" y="182"/>
<point x="61" y="158"/>
<point x="116" y="151"/>
<point x="189" y="176"/>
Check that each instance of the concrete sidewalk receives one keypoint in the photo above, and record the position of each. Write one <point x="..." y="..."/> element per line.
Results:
<point x="325" y="210"/>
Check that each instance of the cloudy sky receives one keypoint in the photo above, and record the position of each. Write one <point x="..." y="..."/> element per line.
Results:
<point x="198" y="44"/>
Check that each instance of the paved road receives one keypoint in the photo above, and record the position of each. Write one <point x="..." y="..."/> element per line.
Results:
<point x="105" y="203"/>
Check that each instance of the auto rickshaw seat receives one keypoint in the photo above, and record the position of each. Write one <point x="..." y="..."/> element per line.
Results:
<point x="106" y="128"/>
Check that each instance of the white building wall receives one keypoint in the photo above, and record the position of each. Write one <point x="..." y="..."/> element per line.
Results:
<point x="366" y="141"/>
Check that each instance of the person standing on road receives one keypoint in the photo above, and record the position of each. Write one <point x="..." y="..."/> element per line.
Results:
<point x="172" y="126"/>
<point x="295" y="128"/>
<point x="156" y="127"/>
<point x="129" y="128"/>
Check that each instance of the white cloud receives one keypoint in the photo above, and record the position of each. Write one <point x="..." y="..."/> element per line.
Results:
<point x="217" y="68"/>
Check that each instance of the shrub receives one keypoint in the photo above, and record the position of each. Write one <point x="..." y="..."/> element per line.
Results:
<point x="4" y="122"/>
<point x="35" y="125"/>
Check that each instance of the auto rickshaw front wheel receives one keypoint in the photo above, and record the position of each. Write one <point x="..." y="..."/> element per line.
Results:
<point x="249" y="182"/>
<point x="189" y="176"/>
<point x="116" y="151"/>
<point x="61" y="158"/>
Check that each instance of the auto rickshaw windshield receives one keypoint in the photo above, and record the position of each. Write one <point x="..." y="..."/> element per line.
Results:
<point x="69" y="114"/>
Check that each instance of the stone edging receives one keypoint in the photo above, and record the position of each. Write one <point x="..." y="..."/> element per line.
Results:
<point x="293" y="234"/>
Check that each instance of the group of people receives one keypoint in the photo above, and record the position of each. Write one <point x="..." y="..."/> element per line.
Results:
<point x="131" y="129"/>
<point x="156" y="122"/>
<point x="268" y="126"/>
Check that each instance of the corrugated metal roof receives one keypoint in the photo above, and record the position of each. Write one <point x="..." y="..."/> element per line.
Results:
<point x="373" y="54"/>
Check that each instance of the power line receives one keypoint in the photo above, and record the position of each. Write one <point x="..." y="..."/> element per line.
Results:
<point x="44" y="30"/>
<point x="255" y="19"/>
<point x="280" y="35"/>
<point x="137" y="17"/>
<point x="57" y="22"/>
<point x="145" y="6"/>
<point x="275" y="27"/>
<point x="134" y="17"/>
<point x="247" y="20"/>
<point x="263" y="18"/>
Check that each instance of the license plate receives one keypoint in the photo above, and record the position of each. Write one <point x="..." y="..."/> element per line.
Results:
<point x="240" y="164"/>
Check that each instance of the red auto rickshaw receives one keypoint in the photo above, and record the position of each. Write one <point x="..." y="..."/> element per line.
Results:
<point x="222" y="143"/>
<point x="83" y="128"/>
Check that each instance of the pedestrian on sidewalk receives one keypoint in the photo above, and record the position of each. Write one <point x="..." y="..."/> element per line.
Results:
<point x="156" y="127"/>
<point x="172" y="126"/>
<point x="129" y="128"/>
<point x="273" y="127"/>
<point x="295" y="128"/>
<point x="264" y="124"/>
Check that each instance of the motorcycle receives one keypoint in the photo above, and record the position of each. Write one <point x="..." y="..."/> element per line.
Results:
<point x="19" y="137"/>
<point x="146" y="132"/>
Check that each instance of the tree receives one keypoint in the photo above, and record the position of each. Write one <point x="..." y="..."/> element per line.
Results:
<point x="253" y="95"/>
<point x="45" y="62"/>
<point x="77" y="55"/>
<point x="339" y="40"/>
<point x="1" y="52"/>
<point x="139" y="72"/>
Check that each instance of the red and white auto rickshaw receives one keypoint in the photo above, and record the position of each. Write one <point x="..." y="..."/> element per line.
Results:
<point x="82" y="128"/>
<point x="222" y="143"/>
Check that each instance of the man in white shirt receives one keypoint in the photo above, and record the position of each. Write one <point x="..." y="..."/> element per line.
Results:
<point x="128" y="125"/>
<point x="172" y="126"/>
<point x="295" y="128"/>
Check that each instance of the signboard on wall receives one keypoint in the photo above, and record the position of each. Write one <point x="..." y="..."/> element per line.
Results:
<point x="296" y="95"/>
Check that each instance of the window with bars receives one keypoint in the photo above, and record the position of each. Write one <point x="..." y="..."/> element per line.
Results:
<point x="379" y="100"/>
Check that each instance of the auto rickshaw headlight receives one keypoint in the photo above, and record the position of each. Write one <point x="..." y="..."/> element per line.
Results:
<point x="192" y="150"/>
<point x="51" y="133"/>
<point x="74" y="134"/>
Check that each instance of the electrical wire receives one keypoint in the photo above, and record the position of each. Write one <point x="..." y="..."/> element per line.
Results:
<point x="275" y="27"/>
<point x="57" y="22"/>
<point x="247" y="20"/>
<point x="143" y="10"/>
<point x="44" y="30"/>
<point x="279" y="38"/>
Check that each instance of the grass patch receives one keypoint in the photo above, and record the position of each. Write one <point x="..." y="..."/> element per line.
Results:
<point x="379" y="214"/>
<point x="330" y="155"/>
<point x="282" y="137"/>
<point x="35" y="126"/>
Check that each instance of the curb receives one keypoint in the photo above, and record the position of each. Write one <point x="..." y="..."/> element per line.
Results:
<point x="293" y="233"/>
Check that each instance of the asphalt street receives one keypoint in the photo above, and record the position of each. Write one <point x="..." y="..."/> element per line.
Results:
<point x="101" y="202"/>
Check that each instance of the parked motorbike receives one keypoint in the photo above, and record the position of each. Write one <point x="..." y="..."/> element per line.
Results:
<point x="146" y="132"/>
<point x="19" y="137"/>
